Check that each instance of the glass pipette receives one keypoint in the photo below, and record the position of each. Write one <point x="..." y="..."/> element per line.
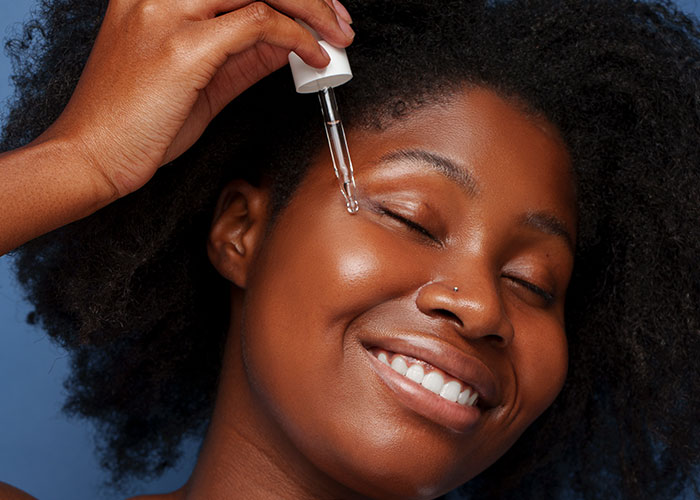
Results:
<point x="308" y="80"/>
<point x="340" y="154"/>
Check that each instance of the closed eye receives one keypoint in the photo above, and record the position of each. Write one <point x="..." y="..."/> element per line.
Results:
<point x="547" y="296"/>
<point x="413" y="226"/>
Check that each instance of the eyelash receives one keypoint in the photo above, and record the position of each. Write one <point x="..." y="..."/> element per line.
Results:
<point x="547" y="296"/>
<point x="414" y="226"/>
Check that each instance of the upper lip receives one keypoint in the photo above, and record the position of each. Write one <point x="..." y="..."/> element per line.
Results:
<point x="448" y="358"/>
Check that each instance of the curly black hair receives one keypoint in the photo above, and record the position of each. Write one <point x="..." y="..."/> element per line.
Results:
<point x="129" y="291"/>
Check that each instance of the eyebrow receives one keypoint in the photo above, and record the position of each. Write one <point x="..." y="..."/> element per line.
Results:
<point x="541" y="221"/>
<point x="452" y="170"/>
<point x="549" y="224"/>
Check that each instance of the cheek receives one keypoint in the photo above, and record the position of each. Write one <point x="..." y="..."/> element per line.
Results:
<point x="300" y="307"/>
<point x="320" y="280"/>
<point x="540" y="360"/>
<point x="341" y="267"/>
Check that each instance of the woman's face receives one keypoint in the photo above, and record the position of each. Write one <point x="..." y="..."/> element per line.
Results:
<point x="457" y="264"/>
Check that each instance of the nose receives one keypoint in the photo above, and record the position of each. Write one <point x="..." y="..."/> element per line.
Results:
<point x="474" y="308"/>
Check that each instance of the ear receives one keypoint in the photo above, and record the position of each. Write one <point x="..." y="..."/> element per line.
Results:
<point x="238" y="229"/>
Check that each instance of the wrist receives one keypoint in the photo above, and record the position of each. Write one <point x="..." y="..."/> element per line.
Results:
<point x="73" y="162"/>
<point x="44" y="185"/>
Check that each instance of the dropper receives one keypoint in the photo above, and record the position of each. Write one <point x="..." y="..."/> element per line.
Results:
<point x="308" y="80"/>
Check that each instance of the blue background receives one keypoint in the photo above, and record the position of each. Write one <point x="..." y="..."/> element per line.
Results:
<point x="41" y="450"/>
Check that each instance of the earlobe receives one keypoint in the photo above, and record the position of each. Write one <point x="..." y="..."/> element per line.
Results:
<point x="237" y="230"/>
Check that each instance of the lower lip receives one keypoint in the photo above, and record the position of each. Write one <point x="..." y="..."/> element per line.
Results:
<point x="424" y="402"/>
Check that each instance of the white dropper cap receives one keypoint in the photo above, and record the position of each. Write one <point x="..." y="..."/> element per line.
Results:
<point x="309" y="79"/>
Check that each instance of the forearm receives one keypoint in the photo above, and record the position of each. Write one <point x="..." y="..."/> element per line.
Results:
<point x="43" y="186"/>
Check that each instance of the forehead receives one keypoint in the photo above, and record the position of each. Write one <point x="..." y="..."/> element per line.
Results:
<point x="481" y="120"/>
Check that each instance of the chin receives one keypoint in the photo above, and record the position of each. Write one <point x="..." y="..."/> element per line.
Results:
<point x="382" y="460"/>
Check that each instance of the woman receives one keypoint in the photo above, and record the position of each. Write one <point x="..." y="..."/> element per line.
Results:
<point x="502" y="151"/>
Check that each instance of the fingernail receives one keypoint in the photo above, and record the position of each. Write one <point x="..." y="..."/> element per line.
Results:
<point x="342" y="11"/>
<point x="345" y="27"/>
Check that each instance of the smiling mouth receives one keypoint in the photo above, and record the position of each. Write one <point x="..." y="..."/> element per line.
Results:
<point x="428" y="376"/>
<point x="430" y="391"/>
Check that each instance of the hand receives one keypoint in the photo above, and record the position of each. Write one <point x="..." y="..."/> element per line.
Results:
<point x="161" y="70"/>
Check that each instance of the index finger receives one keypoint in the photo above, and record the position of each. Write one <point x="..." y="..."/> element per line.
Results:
<point x="318" y="14"/>
<point x="326" y="20"/>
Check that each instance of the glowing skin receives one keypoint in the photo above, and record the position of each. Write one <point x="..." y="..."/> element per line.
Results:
<point x="304" y="410"/>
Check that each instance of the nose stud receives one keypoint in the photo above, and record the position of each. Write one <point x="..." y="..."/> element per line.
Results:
<point x="455" y="289"/>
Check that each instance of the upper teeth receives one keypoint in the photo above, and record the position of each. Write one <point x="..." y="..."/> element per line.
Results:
<point x="434" y="380"/>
